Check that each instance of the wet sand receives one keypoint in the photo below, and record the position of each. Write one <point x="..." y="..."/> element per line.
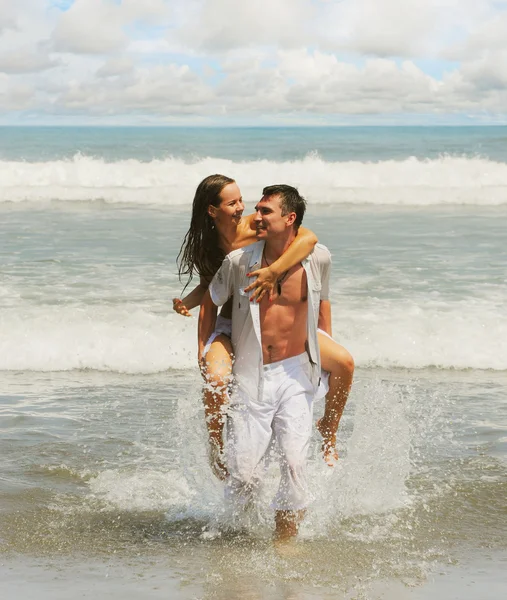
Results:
<point x="479" y="577"/>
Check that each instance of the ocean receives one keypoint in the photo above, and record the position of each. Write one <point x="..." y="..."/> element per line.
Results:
<point x="104" y="485"/>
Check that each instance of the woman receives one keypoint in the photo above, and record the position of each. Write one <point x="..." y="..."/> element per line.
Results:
<point x="217" y="227"/>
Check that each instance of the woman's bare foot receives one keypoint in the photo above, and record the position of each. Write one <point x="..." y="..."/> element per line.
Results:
<point x="328" y="433"/>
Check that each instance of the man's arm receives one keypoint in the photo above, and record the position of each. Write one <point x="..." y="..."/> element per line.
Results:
<point x="325" y="317"/>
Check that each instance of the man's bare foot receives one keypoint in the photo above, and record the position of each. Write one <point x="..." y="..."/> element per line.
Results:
<point x="328" y="433"/>
<point x="286" y="530"/>
<point x="287" y="524"/>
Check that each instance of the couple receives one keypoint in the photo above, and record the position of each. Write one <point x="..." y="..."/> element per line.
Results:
<point x="272" y="325"/>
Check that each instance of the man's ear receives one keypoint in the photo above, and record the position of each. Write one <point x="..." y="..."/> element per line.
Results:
<point x="291" y="219"/>
<point x="212" y="211"/>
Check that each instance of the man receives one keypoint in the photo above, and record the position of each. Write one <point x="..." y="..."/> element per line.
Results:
<point x="277" y="360"/>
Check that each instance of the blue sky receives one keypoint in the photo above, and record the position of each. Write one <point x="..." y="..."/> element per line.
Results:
<point x="221" y="62"/>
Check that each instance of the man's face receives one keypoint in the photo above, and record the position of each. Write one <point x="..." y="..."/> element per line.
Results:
<point x="269" y="220"/>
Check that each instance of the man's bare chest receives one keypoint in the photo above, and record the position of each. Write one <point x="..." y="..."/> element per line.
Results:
<point x="290" y="292"/>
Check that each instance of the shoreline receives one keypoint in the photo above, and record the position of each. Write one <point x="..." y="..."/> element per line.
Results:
<point x="482" y="575"/>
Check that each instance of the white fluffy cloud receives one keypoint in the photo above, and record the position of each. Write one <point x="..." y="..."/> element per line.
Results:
<point x="162" y="90"/>
<point x="8" y="14"/>
<point x="28" y="59"/>
<point x="488" y="35"/>
<point x="91" y="27"/>
<point x="221" y="25"/>
<point x="15" y="96"/>
<point x="99" y="26"/>
<point x="121" y="65"/>
<point x="206" y="58"/>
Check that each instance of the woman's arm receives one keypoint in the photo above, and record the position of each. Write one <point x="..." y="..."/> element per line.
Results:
<point x="300" y="248"/>
<point x="206" y="326"/>
<point x="191" y="300"/>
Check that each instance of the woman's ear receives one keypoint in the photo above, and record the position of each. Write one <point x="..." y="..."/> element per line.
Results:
<point x="212" y="211"/>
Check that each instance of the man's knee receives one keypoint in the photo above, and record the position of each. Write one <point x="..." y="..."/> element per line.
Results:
<point x="294" y="465"/>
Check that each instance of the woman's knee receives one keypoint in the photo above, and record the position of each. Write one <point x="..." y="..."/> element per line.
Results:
<point x="345" y="360"/>
<point x="218" y="365"/>
<point x="338" y="358"/>
<point x="217" y="375"/>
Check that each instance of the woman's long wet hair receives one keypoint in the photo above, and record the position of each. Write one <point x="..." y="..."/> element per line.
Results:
<point x="200" y="253"/>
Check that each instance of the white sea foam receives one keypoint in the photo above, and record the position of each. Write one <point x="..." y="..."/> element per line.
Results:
<point x="172" y="181"/>
<point x="142" y="490"/>
<point x="125" y="340"/>
<point x="462" y="334"/>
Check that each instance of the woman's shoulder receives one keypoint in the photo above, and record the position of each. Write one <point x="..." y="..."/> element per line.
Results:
<point x="245" y="232"/>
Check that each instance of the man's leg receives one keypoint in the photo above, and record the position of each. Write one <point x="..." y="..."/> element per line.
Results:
<point x="292" y="426"/>
<point x="248" y="437"/>
<point x="287" y="524"/>
<point x="340" y="365"/>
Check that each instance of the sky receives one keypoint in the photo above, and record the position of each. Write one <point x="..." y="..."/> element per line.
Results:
<point x="267" y="62"/>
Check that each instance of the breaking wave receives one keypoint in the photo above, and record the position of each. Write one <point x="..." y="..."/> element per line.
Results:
<point x="448" y="180"/>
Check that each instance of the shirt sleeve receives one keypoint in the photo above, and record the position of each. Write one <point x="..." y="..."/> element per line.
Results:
<point x="325" y="271"/>
<point x="221" y="287"/>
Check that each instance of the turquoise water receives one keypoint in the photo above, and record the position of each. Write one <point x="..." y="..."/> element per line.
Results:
<point x="252" y="143"/>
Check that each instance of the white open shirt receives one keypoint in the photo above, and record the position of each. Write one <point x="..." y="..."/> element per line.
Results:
<point x="231" y="280"/>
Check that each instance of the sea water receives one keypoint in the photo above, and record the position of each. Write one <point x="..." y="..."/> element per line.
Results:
<point x="104" y="485"/>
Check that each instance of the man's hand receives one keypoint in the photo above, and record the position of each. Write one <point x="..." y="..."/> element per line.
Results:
<point x="328" y="433"/>
<point x="264" y="284"/>
<point x="180" y="308"/>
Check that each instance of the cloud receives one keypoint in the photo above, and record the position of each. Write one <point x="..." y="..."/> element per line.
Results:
<point x="27" y="60"/>
<point x="160" y="90"/>
<point x="304" y="82"/>
<point x="288" y="58"/>
<point x="15" y="96"/>
<point x="485" y="37"/>
<point x="388" y="28"/>
<point x="99" y="26"/>
<point x="90" y="27"/>
<point x="116" y="66"/>
<point x="8" y="14"/>
<point x="489" y="72"/>
<point x="221" y="25"/>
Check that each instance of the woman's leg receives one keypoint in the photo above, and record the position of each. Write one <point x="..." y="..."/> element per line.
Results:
<point x="340" y="365"/>
<point x="217" y="373"/>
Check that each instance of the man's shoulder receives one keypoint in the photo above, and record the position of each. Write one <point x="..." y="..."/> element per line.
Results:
<point x="236" y="255"/>
<point x="320" y="254"/>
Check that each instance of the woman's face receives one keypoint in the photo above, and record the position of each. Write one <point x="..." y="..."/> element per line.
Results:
<point x="231" y="206"/>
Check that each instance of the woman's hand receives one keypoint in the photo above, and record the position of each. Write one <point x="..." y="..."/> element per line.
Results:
<point x="180" y="308"/>
<point x="264" y="284"/>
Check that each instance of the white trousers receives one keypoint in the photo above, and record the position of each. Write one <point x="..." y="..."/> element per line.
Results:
<point x="285" y="415"/>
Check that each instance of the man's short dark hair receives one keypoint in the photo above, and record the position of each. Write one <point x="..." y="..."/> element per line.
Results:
<point x="290" y="200"/>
